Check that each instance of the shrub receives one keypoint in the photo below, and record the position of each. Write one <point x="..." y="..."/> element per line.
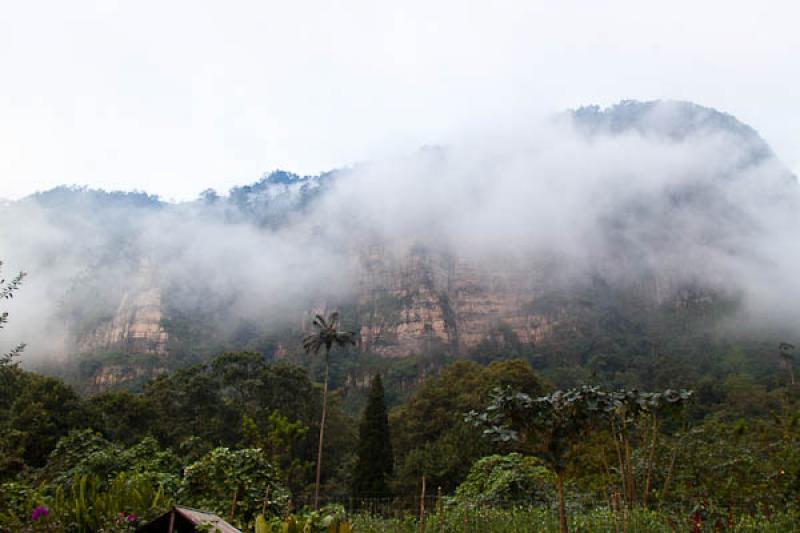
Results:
<point x="506" y="479"/>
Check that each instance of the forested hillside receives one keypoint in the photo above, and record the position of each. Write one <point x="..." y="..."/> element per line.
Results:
<point x="590" y="325"/>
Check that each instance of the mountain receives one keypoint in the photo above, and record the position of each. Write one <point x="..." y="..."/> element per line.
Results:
<point x="632" y="230"/>
<point x="671" y="119"/>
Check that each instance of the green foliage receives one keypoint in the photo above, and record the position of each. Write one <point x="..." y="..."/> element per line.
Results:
<point x="375" y="459"/>
<point x="740" y="455"/>
<point x="429" y="434"/>
<point x="93" y="505"/>
<point x="280" y="443"/>
<point x="485" y="519"/>
<point x="506" y="479"/>
<point x="122" y="416"/>
<point x="40" y="410"/>
<point x="7" y="290"/>
<point x="86" y="453"/>
<point x="329" y="519"/>
<point x="746" y="464"/>
<point x="89" y="504"/>
<point x="551" y="425"/>
<point x="234" y="483"/>
<point x="233" y="402"/>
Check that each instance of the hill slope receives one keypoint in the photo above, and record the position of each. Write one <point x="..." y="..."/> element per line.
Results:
<point x="593" y="230"/>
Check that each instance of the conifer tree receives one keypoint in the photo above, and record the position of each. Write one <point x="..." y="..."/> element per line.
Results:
<point x="375" y="459"/>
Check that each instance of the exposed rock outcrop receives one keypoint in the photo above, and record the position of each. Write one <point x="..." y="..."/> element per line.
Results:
<point x="418" y="301"/>
<point x="136" y="325"/>
<point x="112" y="376"/>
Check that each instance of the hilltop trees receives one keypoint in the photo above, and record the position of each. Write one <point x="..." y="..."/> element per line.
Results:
<point x="375" y="461"/>
<point x="327" y="336"/>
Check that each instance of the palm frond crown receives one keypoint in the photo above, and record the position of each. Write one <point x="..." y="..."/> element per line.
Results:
<point x="327" y="335"/>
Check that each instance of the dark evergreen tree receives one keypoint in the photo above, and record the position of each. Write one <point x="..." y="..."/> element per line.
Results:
<point x="375" y="459"/>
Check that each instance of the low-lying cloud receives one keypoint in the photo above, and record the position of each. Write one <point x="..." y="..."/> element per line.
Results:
<point x="688" y="196"/>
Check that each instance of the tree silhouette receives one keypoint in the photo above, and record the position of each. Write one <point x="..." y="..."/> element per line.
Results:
<point x="326" y="336"/>
<point x="375" y="459"/>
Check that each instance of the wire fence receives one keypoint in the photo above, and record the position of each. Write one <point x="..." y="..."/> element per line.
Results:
<point x="420" y="506"/>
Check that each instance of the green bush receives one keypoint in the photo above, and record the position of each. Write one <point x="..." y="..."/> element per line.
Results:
<point x="241" y="483"/>
<point x="506" y="479"/>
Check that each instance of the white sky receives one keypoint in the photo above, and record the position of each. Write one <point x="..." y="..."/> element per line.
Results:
<point x="174" y="97"/>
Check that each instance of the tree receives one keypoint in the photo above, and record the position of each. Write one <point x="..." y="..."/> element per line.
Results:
<point x="552" y="425"/>
<point x="429" y="434"/>
<point x="280" y="440"/>
<point x="44" y="410"/>
<point x="7" y="290"/>
<point x="327" y="336"/>
<point x="375" y="461"/>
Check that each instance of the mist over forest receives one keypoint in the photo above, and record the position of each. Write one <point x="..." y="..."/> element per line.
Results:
<point x="670" y="191"/>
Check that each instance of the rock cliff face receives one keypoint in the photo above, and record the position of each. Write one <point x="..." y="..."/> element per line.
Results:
<point x="408" y="300"/>
<point x="418" y="301"/>
<point x="111" y="376"/>
<point x="136" y="325"/>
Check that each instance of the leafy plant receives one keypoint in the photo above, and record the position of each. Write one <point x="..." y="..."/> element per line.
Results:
<point x="329" y="519"/>
<point x="88" y="505"/>
<point x="550" y="425"/>
<point x="506" y="480"/>
<point x="235" y="484"/>
<point x="7" y="290"/>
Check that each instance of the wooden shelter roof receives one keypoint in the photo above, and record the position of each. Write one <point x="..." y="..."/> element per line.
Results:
<point x="183" y="519"/>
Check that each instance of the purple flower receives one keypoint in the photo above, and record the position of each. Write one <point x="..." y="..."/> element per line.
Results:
<point x="39" y="512"/>
<point x="131" y="518"/>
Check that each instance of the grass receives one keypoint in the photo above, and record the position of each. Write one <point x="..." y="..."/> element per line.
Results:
<point x="543" y="520"/>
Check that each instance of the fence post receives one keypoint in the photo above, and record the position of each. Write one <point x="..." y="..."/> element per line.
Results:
<point x="615" y="497"/>
<point x="422" y="507"/>
<point x="440" y="508"/>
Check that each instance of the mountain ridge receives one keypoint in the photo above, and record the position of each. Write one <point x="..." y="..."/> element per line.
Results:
<point x="241" y="271"/>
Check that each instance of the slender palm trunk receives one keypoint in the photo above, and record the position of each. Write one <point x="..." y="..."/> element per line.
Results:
<point x="650" y="461"/>
<point x="321" y="432"/>
<point x="562" y="512"/>
<point x="665" y="490"/>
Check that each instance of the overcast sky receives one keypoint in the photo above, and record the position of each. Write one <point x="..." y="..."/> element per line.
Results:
<point x="174" y="97"/>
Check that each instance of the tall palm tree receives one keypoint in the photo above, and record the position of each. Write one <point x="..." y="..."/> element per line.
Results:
<point x="326" y="336"/>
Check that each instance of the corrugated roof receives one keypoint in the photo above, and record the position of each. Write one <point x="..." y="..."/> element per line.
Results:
<point x="203" y="518"/>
